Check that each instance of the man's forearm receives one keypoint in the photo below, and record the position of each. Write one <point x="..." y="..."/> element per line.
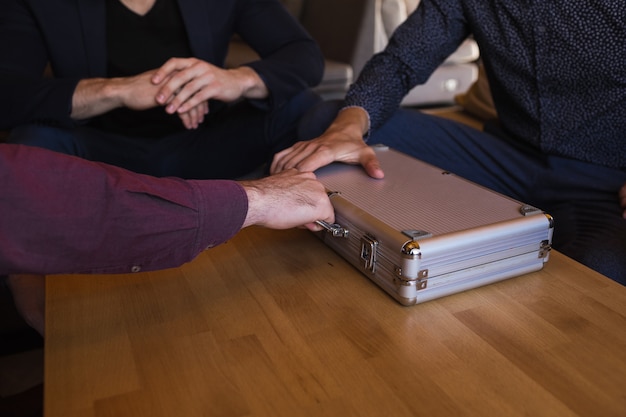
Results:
<point x="95" y="96"/>
<point x="71" y="215"/>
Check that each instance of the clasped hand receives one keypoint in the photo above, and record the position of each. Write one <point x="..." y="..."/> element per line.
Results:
<point x="184" y="86"/>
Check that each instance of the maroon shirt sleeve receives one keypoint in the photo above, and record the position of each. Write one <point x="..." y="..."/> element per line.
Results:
<point x="62" y="214"/>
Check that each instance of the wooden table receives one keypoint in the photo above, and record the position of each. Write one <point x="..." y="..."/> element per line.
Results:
<point x="273" y="323"/>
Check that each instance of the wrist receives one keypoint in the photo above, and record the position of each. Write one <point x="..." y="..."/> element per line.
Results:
<point x="254" y="197"/>
<point x="352" y="121"/>
<point x="95" y="96"/>
<point x="114" y="91"/>
<point x="252" y="85"/>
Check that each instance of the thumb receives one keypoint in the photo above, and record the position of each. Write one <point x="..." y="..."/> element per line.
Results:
<point x="372" y="167"/>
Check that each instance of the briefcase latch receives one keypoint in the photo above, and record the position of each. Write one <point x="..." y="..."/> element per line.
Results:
<point x="369" y="250"/>
<point x="334" y="229"/>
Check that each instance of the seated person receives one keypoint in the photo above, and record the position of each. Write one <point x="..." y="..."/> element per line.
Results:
<point x="69" y="215"/>
<point x="559" y="91"/>
<point x="140" y="84"/>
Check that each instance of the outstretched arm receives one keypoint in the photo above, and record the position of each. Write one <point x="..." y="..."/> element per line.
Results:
<point x="71" y="215"/>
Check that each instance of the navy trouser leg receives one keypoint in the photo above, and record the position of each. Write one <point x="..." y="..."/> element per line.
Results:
<point x="236" y="141"/>
<point x="88" y="143"/>
<point x="55" y="139"/>
<point x="589" y="226"/>
<point x="582" y="197"/>
<point x="463" y="150"/>
<point x="318" y="119"/>
<point x="230" y="143"/>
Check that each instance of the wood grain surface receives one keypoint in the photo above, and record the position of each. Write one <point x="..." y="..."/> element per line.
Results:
<point x="273" y="323"/>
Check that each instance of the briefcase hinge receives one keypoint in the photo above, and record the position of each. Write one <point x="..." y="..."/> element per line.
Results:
<point x="422" y="279"/>
<point x="544" y="249"/>
<point x="420" y="283"/>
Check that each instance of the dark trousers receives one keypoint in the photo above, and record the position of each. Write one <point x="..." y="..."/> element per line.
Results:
<point x="582" y="197"/>
<point x="230" y="143"/>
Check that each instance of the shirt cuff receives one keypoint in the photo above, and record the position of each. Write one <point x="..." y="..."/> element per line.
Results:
<point x="222" y="210"/>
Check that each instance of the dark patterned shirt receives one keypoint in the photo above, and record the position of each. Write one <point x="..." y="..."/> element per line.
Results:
<point x="557" y="69"/>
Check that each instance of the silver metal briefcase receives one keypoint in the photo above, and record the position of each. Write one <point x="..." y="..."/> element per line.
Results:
<point x="422" y="233"/>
